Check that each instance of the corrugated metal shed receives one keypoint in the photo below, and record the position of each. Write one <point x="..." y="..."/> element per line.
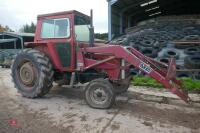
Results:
<point x="14" y="40"/>
<point x="127" y="13"/>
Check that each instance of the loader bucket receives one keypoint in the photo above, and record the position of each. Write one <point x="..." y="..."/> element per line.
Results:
<point x="177" y="84"/>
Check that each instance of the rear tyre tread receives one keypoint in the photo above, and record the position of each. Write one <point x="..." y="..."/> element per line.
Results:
<point x="46" y="73"/>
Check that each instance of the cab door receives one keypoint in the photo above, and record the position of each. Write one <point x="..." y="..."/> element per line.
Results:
<point x="57" y="34"/>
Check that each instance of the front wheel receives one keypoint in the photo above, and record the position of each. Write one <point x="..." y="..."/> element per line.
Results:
<point x="99" y="94"/>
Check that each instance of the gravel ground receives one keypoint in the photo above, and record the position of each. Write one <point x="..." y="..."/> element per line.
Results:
<point x="64" y="110"/>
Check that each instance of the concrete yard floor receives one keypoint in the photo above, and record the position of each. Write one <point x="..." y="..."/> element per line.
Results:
<point x="64" y="110"/>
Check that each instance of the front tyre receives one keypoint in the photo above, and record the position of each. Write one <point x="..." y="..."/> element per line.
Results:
<point x="99" y="94"/>
<point x="32" y="73"/>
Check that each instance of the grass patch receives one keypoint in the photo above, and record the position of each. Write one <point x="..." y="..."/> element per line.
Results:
<point x="146" y="81"/>
<point x="188" y="83"/>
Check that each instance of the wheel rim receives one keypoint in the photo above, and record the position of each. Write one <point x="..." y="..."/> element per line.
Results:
<point x="99" y="96"/>
<point x="27" y="74"/>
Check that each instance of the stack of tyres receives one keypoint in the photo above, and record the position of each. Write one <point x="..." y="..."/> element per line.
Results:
<point x="154" y="40"/>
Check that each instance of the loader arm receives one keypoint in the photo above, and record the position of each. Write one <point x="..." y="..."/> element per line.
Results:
<point x="165" y="74"/>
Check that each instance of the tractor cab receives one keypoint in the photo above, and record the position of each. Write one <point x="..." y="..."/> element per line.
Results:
<point x="69" y="26"/>
<point x="59" y="35"/>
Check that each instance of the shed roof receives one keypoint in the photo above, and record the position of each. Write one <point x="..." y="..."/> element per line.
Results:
<point x="18" y="34"/>
<point x="7" y="40"/>
<point x="145" y="9"/>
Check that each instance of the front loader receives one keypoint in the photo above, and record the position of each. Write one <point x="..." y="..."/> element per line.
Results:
<point x="64" y="51"/>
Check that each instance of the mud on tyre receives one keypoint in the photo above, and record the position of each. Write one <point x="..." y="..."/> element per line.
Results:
<point x="32" y="73"/>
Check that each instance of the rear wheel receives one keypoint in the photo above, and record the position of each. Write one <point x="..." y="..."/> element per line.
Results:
<point x="32" y="73"/>
<point x="99" y="94"/>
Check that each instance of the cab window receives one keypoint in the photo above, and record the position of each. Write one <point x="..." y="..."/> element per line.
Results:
<point x="55" y="28"/>
<point x="82" y="32"/>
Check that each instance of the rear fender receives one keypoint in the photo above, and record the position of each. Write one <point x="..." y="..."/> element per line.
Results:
<point x="44" y="48"/>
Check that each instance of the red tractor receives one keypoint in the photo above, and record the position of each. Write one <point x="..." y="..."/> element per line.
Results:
<point x="64" y="51"/>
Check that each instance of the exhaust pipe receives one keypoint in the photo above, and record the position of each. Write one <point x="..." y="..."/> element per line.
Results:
<point x="91" y="43"/>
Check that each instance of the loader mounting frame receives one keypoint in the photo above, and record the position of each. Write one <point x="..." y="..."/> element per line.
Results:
<point x="108" y="58"/>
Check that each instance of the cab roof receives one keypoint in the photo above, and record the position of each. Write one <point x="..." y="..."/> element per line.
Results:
<point x="63" y="13"/>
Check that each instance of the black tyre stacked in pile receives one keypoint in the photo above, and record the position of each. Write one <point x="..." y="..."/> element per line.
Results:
<point x="155" y="40"/>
